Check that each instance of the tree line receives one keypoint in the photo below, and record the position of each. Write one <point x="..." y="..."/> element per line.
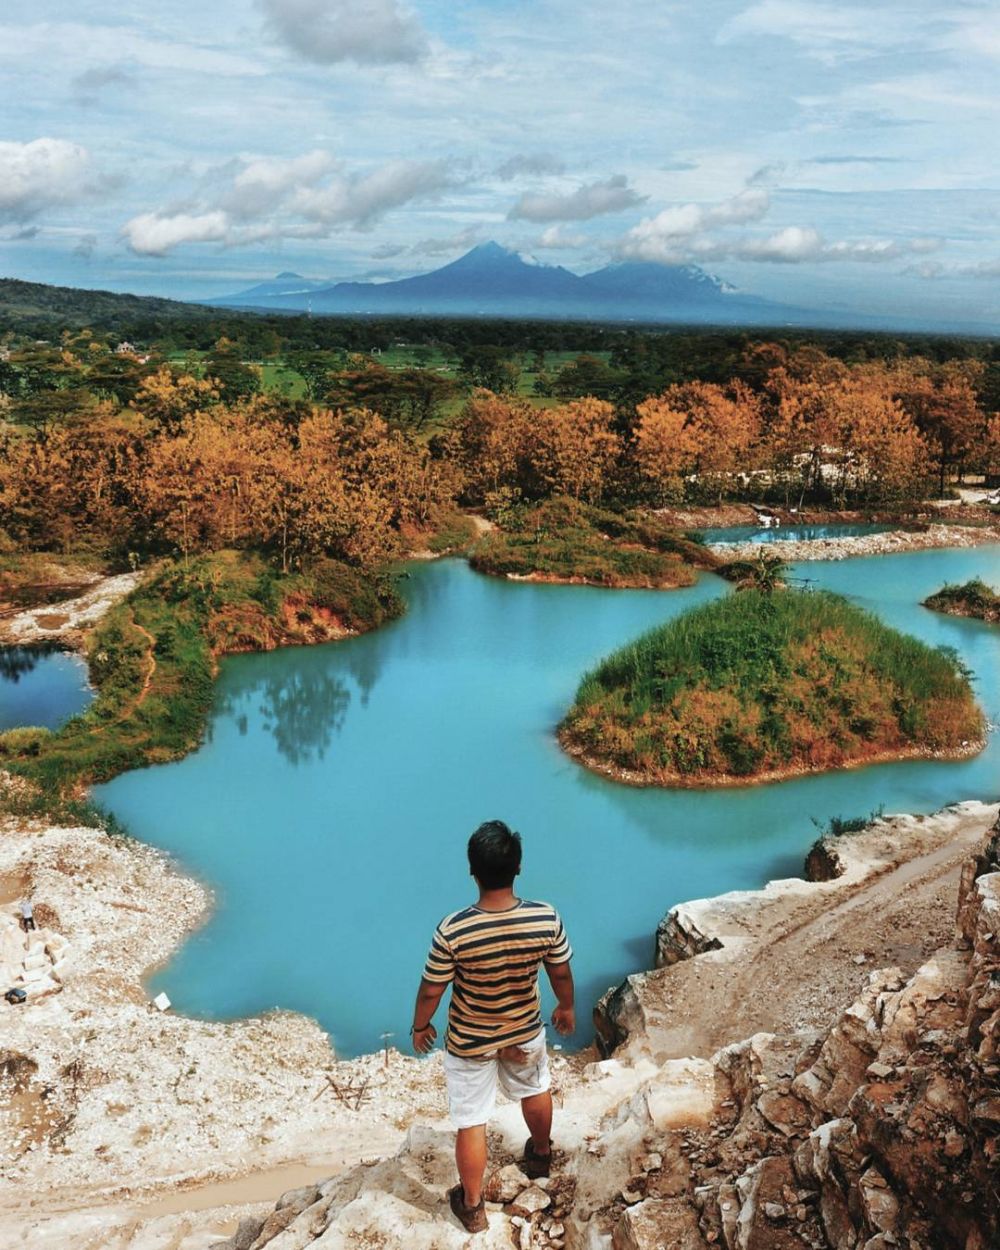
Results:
<point x="793" y="425"/>
<point x="123" y="459"/>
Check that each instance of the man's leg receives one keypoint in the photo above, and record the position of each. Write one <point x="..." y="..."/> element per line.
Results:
<point x="470" y="1156"/>
<point x="537" y="1112"/>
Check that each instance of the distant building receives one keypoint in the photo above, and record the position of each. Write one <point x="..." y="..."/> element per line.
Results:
<point x="125" y="348"/>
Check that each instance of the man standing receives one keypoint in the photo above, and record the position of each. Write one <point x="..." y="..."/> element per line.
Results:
<point x="491" y="953"/>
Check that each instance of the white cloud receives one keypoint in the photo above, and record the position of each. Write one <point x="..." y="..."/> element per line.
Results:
<point x="831" y="32"/>
<point x="663" y="237"/>
<point x="790" y="245"/>
<point x="928" y="270"/>
<point x="460" y="242"/>
<point x="556" y="237"/>
<point x="978" y="34"/>
<point x="690" y="232"/>
<point x="81" y="42"/>
<point x="38" y="175"/>
<point x="269" y="198"/>
<point x="360" y="200"/>
<point x="984" y="269"/>
<point x="797" y="244"/>
<point x="369" y="32"/>
<point x="263" y="183"/>
<point x="592" y="200"/>
<point x="155" y="234"/>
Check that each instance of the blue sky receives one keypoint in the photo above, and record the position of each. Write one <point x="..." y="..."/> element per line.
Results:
<point x="821" y="153"/>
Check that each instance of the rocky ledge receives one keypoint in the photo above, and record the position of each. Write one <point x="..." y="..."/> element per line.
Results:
<point x="882" y="1131"/>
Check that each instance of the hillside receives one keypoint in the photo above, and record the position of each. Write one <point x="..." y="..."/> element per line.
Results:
<point x="758" y="686"/>
<point x="24" y="304"/>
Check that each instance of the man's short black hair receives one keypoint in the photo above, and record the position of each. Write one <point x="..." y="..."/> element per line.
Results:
<point x="495" y="855"/>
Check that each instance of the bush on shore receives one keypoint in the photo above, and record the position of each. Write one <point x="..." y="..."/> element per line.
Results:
<point x="564" y="540"/>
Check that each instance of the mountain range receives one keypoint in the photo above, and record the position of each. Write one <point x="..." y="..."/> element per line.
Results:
<point x="491" y="281"/>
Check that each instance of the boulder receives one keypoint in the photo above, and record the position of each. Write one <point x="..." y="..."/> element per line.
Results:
<point x="823" y="862"/>
<point x="618" y="1014"/>
<point x="656" y="1224"/>
<point x="678" y="937"/>
<point x="762" y="1221"/>
<point x="529" y="1201"/>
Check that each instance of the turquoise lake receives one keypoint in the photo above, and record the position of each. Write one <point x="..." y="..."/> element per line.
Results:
<point x="330" y="804"/>
<point x="789" y="533"/>
<point x="41" y="686"/>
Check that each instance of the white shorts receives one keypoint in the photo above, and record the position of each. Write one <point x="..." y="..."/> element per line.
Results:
<point x="472" y="1082"/>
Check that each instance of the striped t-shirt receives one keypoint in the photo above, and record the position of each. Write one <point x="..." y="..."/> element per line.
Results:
<point x="493" y="959"/>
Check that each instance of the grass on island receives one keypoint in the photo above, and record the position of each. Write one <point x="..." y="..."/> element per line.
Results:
<point x="763" y="684"/>
<point x="566" y="541"/>
<point x="447" y="531"/>
<point x="975" y="599"/>
<point x="152" y="659"/>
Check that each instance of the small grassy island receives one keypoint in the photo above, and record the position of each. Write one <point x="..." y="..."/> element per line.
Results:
<point x="759" y="686"/>
<point x="563" y="540"/>
<point x="975" y="598"/>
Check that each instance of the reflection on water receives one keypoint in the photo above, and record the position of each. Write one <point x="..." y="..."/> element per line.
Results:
<point x="790" y="533"/>
<point x="41" y="685"/>
<point x="16" y="661"/>
<point x="302" y="711"/>
<point x="301" y="698"/>
<point x="331" y="805"/>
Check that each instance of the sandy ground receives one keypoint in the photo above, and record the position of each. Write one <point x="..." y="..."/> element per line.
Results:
<point x="67" y="620"/>
<point x="124" y="1101"/>
<point x="147" y="1130"/>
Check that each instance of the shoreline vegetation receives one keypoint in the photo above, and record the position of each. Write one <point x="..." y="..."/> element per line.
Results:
<point x="764" y="686"/>
<point x="973" y="599"/>
<point x="566" y="541"/>
<point x="153" y="657"/>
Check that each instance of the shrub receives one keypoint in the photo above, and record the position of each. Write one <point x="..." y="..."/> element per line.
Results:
<point x="23" y="741"/>
<point x="566" y="540"/>
<point x="760" y="682"/>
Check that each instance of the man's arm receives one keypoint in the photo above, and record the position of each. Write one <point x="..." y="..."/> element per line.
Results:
<point x="561" y="980"/>
<point x="428" y="997"/>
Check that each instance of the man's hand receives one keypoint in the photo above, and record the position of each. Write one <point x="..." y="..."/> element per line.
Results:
<point x="424" y="1039"/>
<point x="564" y="1018"/>
<point x="428" y="997"/>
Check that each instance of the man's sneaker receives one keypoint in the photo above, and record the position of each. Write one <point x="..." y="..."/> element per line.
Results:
<point x="534" y="1165"/>
<point x="472" y="1219"/>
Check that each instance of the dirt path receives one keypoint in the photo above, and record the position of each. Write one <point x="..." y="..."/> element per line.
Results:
<point x="148" y="679"/>
<point x="795" y="953"/>
<point x="899" y="917"/>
